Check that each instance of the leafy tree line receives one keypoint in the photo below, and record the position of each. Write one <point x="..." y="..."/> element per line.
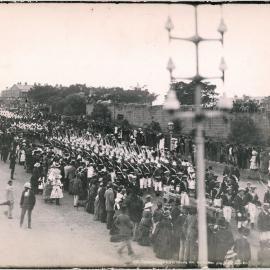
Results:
<point x="186" y="95"/>
<point x="119" y="95"/>
<point x="245" y="131"/>
<point x="71" y="100"/>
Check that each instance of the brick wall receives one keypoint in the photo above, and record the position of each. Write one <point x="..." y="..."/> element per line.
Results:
<point x="217" y="127"/>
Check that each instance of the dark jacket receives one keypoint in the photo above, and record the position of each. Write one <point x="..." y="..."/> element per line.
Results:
<point x="266" y="198"/>
<point x="264" y="221"/>
<point x="163" y="239"/>
<point x="109" y="199"/>
<point x="242" y="248"/>
<point x="29" y="201"/>
<point x="124" y="224"/>
<point x="134" y="205"/>
<point x="77" y="186"/>
<point x="219" y="243"/>
<point x="12" y="161"/>
<point x="236" y="172"/>
<point x="250" y="198"/>
<point x="175" y="213"/>
<point x="239" y="204"/>
<point x="227" y="200"/>
<point x="157" y="215"/>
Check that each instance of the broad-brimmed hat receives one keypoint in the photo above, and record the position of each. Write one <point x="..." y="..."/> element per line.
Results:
<point x="56" y="165"/>
<point x="148" y="205"/>
<point x="27" y="185"/>
<point x="167" y="214"/>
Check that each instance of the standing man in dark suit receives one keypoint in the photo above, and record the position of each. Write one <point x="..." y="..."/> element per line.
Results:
<point x="12" y="164"/>
<point x="27" y="203"/>
<point x="239" y="206"/>
<point x="266" y="198"/>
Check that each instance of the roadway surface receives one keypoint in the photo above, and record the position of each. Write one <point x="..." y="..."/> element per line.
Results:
<point x="62" y="236"/>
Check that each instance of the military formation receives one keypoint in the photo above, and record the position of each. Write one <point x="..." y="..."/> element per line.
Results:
<point x="146" y="194"/>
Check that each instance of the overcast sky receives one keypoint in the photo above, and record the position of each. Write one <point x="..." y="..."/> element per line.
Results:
<point x="125" y="44"/>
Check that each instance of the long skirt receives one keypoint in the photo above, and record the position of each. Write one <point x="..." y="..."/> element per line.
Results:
<point x="143" y="235"/>
<point x="90" y="206"/>
<point x="47" y="191"/>
<point x="70" y="186"/>
<point x="96" y="207"/>
<point x="163" y="244"/>
<point x="253" y="163"/>
<point x="191" y="251"/>
<point x="57" y="193"/>
<point x="102" y="212"/>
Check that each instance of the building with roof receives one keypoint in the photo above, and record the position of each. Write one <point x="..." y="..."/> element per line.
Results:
<point x="266" y="103"/>
<point x="18" y="90"/>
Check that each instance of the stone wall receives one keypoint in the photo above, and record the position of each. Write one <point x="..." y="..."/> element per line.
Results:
<point x="215" y="127"/>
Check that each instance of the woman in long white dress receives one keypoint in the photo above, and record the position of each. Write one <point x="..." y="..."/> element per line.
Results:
<point x="254" y="169"/>
<point x="57" y="192"/>
<point x="253" y="161"/>
<point x="22" y="157"/>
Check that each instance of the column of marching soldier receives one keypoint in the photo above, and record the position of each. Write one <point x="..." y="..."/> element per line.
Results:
<point x="115" y="182"/>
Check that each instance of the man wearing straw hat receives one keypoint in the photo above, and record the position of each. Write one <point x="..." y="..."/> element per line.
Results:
<point x="27" y="203"/>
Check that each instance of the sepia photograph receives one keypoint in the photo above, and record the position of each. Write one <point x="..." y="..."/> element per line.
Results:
<point x="134" y="135"/>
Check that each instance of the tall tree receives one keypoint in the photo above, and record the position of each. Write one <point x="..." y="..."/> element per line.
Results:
<point x="101" y="112"/>
<point x="119" y="95"/>
<point x="43" y="94"/>
<point x="244" y="130"/>
<point x="56" y="96"/>
<point x="186" y="93"/>
<point x="74" y="105"/>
